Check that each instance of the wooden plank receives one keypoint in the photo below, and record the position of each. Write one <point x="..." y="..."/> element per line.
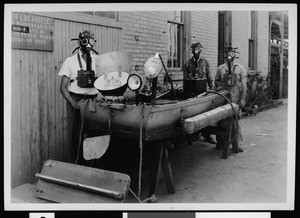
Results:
<point x="105" y="40"/>
<point x="85" y="27"/>
<point x="229" y="125"/>
<point x="87" y="175"/>
<point x="55" y="190"/>
<point x="43" y="101"/>
<point x="166" y="166"/>
<point x="56" y="87"/>
<point x="51" y="72"/>
<point x="156" y="167"/>
<point x="73" y="34"/>
<point x="58" y="98"/>
<point x="121" y="40"/>
<point x="53" y="79"/>
<point x="66" y="53"/>
<point x="41" y="110"/>
<point x="82" y="186"/>
<point x="109" y="37"/>
<point x="64" y="194"/>
<point x="16" y="122"/>
<point x="25" y="116"/>
<point x="62" y="101"/>
<point x="34" y="113"/>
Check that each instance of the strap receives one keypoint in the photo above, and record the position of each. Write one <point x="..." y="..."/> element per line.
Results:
<point x="79" y="61"/>
<point x="229" y="68"/>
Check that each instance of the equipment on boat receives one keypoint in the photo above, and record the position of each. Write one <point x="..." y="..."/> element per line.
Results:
<point x="134" y="82"/>
<point x="194" y="87"/>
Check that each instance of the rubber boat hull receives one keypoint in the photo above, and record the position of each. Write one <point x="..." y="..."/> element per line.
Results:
<point x="147" y="121"/>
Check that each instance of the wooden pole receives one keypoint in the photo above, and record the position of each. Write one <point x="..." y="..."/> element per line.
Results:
<point x="170" y="79"/>
<point x="80" y="186"/>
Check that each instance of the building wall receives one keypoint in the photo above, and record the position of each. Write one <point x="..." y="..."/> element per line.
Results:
<point x="151" y="29"/>
<point x="204" y="29"/>
<point x="263" y="42"/>
<point x="240" y="36"/>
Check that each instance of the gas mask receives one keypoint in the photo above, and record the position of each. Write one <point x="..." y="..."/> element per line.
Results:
<point x="196" y="50"/>
<point x="86" y="41"/>
<point x="230" y="56"/>
<point x="197" y="53"/>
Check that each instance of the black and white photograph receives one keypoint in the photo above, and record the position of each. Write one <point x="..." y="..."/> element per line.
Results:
<point x="160" y="106"/>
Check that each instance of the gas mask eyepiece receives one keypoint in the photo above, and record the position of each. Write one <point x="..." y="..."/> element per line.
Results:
<point x="86" y="40"/>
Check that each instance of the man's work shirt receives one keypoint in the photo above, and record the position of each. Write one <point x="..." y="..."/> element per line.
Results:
<point x="239" y="72"/>
<point x="200" y="69"/>
<point x="70" y="69"/>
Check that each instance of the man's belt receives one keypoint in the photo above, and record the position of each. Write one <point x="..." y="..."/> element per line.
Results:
<point x="82" y="96"/>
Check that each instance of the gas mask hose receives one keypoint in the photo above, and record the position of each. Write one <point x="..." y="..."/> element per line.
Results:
<point x="235" y="115"/>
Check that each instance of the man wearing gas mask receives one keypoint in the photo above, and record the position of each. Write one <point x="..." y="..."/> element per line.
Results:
<point x="198" y="67"/>
<point x="77" y="84"/>
<point x="231" y="76"/>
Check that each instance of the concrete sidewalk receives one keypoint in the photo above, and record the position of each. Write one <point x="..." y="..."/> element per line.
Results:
<point x="257" y="175"/>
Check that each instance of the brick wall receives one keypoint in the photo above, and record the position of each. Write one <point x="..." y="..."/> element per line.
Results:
<point x="263" y="42"/>
<point x="150" y="27"/>
<point x="240" y="35"/>
<point x="204" y="29"/>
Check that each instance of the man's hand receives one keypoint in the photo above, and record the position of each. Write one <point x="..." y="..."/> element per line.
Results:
<point x="75" y="105"/>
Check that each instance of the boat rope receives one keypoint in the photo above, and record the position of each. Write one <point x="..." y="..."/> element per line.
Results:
<point x="151" y="199"/>
<point x="135" y="195"/>
<point x="141" y="152"/>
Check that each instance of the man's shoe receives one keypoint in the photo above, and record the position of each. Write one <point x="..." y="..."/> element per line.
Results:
<point x="210" y="140"/>
<point x="240" y="150"/>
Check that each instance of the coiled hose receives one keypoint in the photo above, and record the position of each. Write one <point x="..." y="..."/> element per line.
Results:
<point x="235" y="115"/>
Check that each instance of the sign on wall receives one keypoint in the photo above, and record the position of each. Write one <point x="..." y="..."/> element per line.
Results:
<point x="32" y="32"/>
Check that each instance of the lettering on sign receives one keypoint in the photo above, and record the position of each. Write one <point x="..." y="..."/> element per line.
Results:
<point x="32" y="32"/>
